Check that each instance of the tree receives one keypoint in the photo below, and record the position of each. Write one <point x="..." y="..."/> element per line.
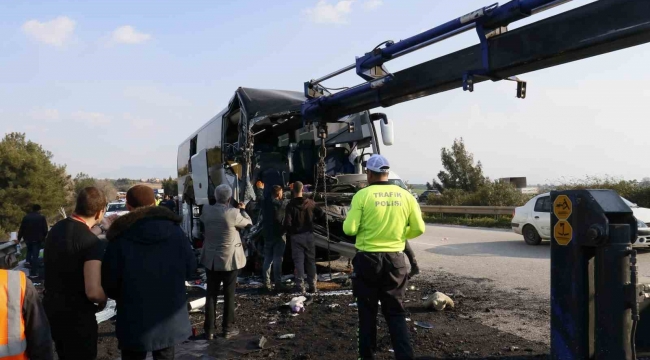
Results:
<point x="461" y="173"/>
<point x="107" y="187"/>
<point x="123" y="184"/>
<point x="28" y="176"/>
<point x="170" y="186"/>
<point x="430" y="185"/>
<point x="82" y="181"/>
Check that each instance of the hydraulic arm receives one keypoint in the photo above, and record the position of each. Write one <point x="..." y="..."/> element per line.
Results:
<point x="593" y="29"/>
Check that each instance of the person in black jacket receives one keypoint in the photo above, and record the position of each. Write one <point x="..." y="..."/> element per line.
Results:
<point x="33" y="229"/>
<point x="146" y="264"/>
<point x="168" y="203"/>
<point x="274" y="242"/>
<point x="299" y="224"/>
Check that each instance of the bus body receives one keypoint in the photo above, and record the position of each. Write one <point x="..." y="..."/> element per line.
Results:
<point x="262" y="132"/>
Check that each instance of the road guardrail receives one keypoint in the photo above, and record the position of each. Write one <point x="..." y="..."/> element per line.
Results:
<point x="348" y="250"/>
<point x="472" y="210"/>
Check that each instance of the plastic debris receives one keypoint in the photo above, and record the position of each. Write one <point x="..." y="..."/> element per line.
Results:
<point x="423" y="324"/>
<point x="333" y="306"/>
<point x="287" y="336"/>
<point x="196" y="304"/>
<point x="353" y="304"/>
<point x="408" y="319"/>
<point x="336" y="293"/>
<point x="262" y="342"/>
<point x="297" y="304"/>
<point x="273" y="323"/>
<point x="335" y="276"/>
<point x="109" y="311"/>
<point x="197" y="284"/>
<point x="439" y="302"/>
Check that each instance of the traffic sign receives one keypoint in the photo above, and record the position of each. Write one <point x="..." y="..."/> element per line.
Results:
<point x="562" y="207"/>
<point x="563" y="232"/>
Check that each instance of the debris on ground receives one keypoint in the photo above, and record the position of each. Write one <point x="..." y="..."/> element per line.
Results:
<point x="423" y="324"/>
<point x="262" y="342"/>
<point x="109" y="311"/>
<point x="335" y="276"/>
<point x="439" y="302"/>
<point x="331" y="334"/>
<point x="297" y="304"/>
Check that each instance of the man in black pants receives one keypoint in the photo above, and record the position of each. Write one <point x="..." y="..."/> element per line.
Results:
<point x="33" y="229"/>
<point x="223" y="256"/>
<point x="382" y="217"/>
<point x="73" y="261"/>
<point x="299" y="223"/>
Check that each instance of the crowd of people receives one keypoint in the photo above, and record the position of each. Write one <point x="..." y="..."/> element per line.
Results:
<point x="146" y="259"/>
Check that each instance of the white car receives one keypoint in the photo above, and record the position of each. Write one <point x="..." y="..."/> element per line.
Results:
<point x="533" y="221"/>
<point x="118" y="208"/>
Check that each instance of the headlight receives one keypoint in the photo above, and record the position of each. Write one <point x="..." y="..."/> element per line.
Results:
<point x="640" y="224"/>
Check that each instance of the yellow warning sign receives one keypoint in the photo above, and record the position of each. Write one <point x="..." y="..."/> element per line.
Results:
<point x="562" y="207"/>
<point x="563" y="232"/>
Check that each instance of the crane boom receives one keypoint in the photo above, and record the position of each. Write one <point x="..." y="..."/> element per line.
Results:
<point x="593" y="29"/>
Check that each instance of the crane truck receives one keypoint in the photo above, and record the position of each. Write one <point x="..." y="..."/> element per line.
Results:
<point x="320" y="137"/>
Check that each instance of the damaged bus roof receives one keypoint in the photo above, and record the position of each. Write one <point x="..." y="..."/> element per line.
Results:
<point x="261" y="102"/>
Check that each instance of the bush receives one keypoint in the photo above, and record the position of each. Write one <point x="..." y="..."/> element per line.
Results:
<point x="638" y="193"/>
<point x="490" y="194"/>
<point x="502" y="222"/>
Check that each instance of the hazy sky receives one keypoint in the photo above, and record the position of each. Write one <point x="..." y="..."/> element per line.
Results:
<point x="112" y="87"/>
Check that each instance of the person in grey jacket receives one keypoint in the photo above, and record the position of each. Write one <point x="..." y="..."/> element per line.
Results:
<point x="222" y="255"/>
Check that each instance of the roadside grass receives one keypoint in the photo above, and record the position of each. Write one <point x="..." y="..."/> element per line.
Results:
<point x="500" y="222"/>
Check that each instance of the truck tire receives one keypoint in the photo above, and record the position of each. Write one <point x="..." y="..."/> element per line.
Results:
<point x="531" y="237"/>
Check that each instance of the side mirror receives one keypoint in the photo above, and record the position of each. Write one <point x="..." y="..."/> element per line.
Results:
<point x="387" y="135"/>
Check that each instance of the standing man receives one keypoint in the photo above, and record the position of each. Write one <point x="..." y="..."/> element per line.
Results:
<point x="169" y="203"/>
<point x="26" y="331"/>
<point x="274" y="242"/>
<point x="222" y="255"/>
<point x="33" y="229"/>
<point x="73" y="261"/>
<point x="383" y="217"/>
<point x="147" y="261"/>
<point x="299" y="223"/>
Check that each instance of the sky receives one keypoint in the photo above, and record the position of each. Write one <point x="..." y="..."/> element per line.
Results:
<point x="112" y="88"/>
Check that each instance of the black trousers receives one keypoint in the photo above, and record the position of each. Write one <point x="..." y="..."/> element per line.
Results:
<point x="162" y="354"/>
<point x="381" y="277"/>
<point x="215" y="280"/>
<point x="74" y="333"/>
<point x="303" y="252"/>
<point x="33" y="250"/>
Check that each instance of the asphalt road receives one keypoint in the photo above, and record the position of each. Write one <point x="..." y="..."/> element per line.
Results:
<point x="498" y="255"/>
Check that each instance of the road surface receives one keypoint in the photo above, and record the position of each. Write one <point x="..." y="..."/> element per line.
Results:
<point x="498" y="255"/>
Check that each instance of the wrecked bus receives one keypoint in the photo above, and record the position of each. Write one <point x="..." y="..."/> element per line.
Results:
<point x="260" y="136"/>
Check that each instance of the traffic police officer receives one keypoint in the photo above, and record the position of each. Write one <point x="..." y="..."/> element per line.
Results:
<point x="383" y="217"/>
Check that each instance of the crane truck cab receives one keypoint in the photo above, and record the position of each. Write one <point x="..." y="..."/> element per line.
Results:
<point x="261" y="136"/>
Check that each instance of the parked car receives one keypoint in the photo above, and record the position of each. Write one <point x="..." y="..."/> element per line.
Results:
<point x="533" y="221"/>
<point x="118" y="208"/>
<point x="425" y="195"/>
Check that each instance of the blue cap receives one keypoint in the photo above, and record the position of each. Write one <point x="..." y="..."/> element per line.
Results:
<point x="378" y="164"/>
